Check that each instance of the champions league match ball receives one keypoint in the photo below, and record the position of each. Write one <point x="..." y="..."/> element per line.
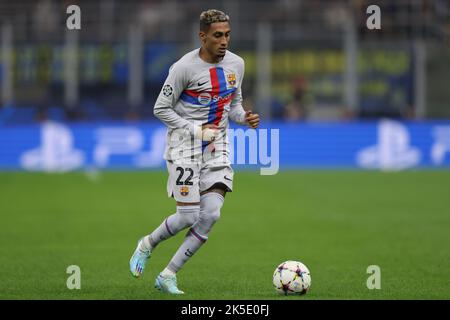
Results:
<point x="292" y="278"/>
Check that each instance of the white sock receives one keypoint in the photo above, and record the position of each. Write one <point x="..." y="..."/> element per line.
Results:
<point x="192" y="242"/>
<point x="145" y="244"/>
<point x="185" y="217"/>
<point x="210" y="205"/>
<point x="167" y="273"/>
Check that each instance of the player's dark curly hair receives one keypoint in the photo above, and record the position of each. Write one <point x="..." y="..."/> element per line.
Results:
<point x="211" y="16"/>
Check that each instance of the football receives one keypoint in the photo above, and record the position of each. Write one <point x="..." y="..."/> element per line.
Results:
<point x="292" y="278"/>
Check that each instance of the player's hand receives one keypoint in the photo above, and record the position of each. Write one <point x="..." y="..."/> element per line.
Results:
<point x="208" y="132"/>
<point x="252" y="119"/>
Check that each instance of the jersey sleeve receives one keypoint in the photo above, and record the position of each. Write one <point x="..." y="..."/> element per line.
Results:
<point x="174" y="85"/>
<point x="237" y="112"/>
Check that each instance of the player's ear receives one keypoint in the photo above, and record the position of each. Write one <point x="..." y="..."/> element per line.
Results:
<point x="202" y="35"/>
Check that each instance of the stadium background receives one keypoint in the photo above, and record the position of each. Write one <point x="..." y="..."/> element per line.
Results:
<point x="344" y="99"/>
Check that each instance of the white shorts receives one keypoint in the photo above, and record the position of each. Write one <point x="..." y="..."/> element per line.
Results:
<point x="186" y="181"/>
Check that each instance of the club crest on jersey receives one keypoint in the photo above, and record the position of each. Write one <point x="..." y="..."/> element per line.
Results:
<point x="204" y="98"/>
<point x="231" y="79"/>
<point x="184" y="191"/>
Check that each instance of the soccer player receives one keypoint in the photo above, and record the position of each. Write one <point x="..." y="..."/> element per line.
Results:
<point x="200" y="94"/>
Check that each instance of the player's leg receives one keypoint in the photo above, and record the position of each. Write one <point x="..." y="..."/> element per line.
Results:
<point x="166" y="281"/>
<point x="210" y="204"/>
<point x="214" y="182"/>
<point x="186" y="215"/>
<point x="183" y="186"/>
<point x="211" y="201"/>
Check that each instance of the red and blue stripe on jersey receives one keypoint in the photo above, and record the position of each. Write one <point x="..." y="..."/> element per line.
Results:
<point x="219" y="86"/>
<point x="220" y="95"/>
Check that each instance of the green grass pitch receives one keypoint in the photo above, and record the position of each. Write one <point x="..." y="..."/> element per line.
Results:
<point x="336" y="222"/>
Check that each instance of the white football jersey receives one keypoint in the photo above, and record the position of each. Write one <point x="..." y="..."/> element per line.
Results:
<point x="197" y="93"/>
